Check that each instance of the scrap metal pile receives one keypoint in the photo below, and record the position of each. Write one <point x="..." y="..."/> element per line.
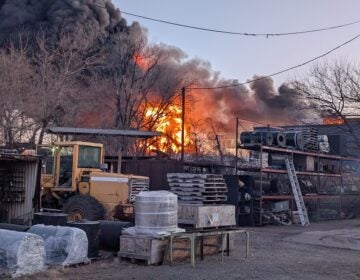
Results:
<point x="198" y="188"/>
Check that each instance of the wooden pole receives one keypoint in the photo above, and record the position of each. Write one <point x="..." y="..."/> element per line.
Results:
<point x="182" y="123"/>
<point x="236" y="144"/>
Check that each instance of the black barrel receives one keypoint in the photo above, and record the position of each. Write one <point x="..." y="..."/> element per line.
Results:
<point x="277" y="160"/>
<point x="110" y="234"/>
<point x="50" y="218"/>
<point x="14" y="227"/>
<point x="295" y="139"/>
<point x="92" y="230"/>
<point x="246" y="137"/>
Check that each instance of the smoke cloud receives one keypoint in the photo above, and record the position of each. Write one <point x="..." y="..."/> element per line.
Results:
<point x="260" y="101"/>
<point x="32" y="15"/>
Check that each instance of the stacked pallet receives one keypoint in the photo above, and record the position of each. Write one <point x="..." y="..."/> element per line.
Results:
<point x="311" y="142"/>
<point x="309" y="135"/>
<point x="198" y="188"/>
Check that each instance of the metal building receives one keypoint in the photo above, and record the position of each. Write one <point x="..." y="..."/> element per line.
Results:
<point x="19" y="187"/>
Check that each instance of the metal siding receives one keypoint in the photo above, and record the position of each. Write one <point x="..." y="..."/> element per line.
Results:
<point x="351" y="148"/>
<point x="155" y="169"/>
<point x="24" y="210"/>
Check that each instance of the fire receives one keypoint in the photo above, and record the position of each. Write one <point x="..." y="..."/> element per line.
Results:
<point x="143" y="62"/>
<point x="333" y="121"/>
<point x="169" y="124"/>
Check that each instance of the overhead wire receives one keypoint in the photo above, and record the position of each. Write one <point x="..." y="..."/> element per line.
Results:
<point x="257" y="34"/>
<point x="242" y="33"/>
<point x="281" y="71"/>
<point x="234" y="32"/>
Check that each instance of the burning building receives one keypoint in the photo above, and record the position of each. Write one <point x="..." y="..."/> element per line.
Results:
<point x="137" y="83"/>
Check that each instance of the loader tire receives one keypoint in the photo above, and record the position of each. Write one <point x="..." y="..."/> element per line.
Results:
<point x="84" y="207"/>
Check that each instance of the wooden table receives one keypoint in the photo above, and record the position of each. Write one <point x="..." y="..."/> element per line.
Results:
<point x="195" y="235"/>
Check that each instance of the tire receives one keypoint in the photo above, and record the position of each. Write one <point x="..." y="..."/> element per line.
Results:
<point x="84" y="207"/>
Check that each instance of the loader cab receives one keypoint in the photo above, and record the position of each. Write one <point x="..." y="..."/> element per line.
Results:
<point x="70" y="160"/>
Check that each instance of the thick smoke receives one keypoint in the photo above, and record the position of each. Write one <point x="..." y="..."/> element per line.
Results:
<point x="32" y="15"/>
<point x="259" y="101"/>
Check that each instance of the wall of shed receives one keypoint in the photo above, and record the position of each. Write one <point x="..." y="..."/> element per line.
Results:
<point x="155" y="169"/>
<point x="22" y="212"/>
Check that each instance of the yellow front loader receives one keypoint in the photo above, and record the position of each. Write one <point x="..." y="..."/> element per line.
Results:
<point x="74" y="179"/>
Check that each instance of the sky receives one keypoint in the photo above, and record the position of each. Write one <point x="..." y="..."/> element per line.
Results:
<point x="239" y="57"/>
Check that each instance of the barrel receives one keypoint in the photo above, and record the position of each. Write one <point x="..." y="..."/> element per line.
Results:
<point x="156" y="211"/>
<point x="92" y="230"/>
<point x="246" y="137"/>
<point x="19" y="228"/>
<point x="277" y="160"/>
<point x="110" y="232"/>
<point x="50" y="218"/>
<point x="279" y="139"/>
<point x="295" y="139"/>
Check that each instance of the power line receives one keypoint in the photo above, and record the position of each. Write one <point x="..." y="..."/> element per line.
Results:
<point x="242" y="33"/>
<point x="259" y="34"/>
<point x="234" y="32"/>
<point x="281" y="71"/>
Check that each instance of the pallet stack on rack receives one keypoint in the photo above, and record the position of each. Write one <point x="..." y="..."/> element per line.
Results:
<point x="311" y="142"/>
<point x="198" y="189"/>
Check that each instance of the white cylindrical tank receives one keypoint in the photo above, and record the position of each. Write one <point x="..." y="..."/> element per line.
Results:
<point x="156" y="211"/>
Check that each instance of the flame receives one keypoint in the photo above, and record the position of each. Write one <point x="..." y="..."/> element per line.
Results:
<point x="333" y="121"/>
<point x="169" y="124"/>
<point x="143" y="62"/>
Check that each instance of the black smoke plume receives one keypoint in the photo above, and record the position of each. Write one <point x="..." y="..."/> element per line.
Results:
<point x="259" y="101"/>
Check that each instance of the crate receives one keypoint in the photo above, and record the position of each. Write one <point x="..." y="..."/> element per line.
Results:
<point x="149" y="249"/>
<point x="206" y="216"/>
<point x="211" y="246"/>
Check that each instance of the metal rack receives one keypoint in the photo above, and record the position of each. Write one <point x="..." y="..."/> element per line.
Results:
<point x="314" y="200"/>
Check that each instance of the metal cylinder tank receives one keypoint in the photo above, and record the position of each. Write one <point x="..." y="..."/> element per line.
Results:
<point x="295" y="139"/>
<point x="259" y="137"/>
<point x="92" y="230"/>
<point x="156" y="211"/>
<point x="110" y="232"/>
<point x="50" y="218"/>
<point x="279" y="139"/>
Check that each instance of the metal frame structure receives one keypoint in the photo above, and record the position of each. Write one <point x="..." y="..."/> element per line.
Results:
<point x="319" y="175"/>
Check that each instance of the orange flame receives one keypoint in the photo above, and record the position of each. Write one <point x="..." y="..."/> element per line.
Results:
<point x="169" y="124"/>
<point x="333" y="121"/>
<point x="143" y="62"/>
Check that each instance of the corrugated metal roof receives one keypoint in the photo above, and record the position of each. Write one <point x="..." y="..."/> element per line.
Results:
<point x="18" y="157"/>
<point x="109" y="132"/>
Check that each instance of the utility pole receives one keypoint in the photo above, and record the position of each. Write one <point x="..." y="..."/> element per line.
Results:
<point x="182" y="123"/>
<point x="236" y="144"/>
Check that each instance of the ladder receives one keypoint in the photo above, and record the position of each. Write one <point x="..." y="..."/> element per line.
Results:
<point x="304" y="218"/>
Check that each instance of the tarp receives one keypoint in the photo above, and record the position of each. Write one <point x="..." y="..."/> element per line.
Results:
<point x="63" y="245"/>
<point x="21" y="253"/>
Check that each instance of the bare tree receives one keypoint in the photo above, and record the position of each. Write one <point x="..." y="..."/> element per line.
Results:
<point x="15" y="75"/>
<point x="59" y="70"/>
<point x="333" y="89"/>
<point x="138" y="85"/>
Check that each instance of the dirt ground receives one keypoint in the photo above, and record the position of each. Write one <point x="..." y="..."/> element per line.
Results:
<point x="275" y="253"/>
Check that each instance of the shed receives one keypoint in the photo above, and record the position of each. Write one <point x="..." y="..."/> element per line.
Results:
<point x="19" y="187"/>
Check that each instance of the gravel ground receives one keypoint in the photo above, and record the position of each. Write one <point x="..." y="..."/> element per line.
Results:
<point x="272" y="256"/>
